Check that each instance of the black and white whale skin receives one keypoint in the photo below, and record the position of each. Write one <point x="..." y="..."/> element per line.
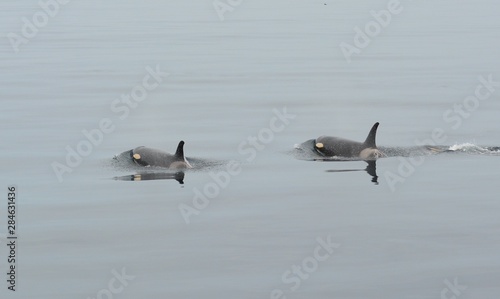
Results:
<point x="146" y="156"/>
<point x="339" y="147"/>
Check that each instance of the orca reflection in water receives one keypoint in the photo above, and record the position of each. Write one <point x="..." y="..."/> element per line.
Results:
<point x="178" y="176"/>
<point x="371" y="169"/>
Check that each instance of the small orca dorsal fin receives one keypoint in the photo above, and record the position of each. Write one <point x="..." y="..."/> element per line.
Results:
<point x="370" y="139"/>
<point x="179" y="153"/>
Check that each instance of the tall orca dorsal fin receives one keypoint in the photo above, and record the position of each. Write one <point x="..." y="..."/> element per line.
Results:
<point x="370" y="140"/>
<point x="179" y="153"/>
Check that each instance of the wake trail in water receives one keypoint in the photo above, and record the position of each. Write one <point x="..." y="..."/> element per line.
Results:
<point x="471" y="148"/>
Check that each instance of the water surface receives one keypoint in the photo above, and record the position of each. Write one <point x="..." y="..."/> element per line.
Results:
<point x="400" y="238"/>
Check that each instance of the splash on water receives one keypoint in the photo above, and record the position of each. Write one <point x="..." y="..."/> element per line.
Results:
<point x="471" y="148"/>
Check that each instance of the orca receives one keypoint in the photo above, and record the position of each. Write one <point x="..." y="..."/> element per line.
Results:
<point x="334" y="146"/>
<point x="146" y="156"/>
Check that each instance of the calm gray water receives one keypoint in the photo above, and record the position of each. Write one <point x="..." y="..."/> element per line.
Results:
<point x="428" y="228"/>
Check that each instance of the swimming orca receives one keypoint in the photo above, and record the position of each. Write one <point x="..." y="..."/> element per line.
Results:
<point x="339" y="147"/>
<point x="146" y="156"/>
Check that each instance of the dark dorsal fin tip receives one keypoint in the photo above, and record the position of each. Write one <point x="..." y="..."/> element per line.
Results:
<point x="179" y="153"/>
<point x="370" y="139"/>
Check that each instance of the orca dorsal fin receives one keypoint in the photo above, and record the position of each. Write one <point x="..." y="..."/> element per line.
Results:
<point x="370" y="140"/>
<point x="179" y="153"/>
